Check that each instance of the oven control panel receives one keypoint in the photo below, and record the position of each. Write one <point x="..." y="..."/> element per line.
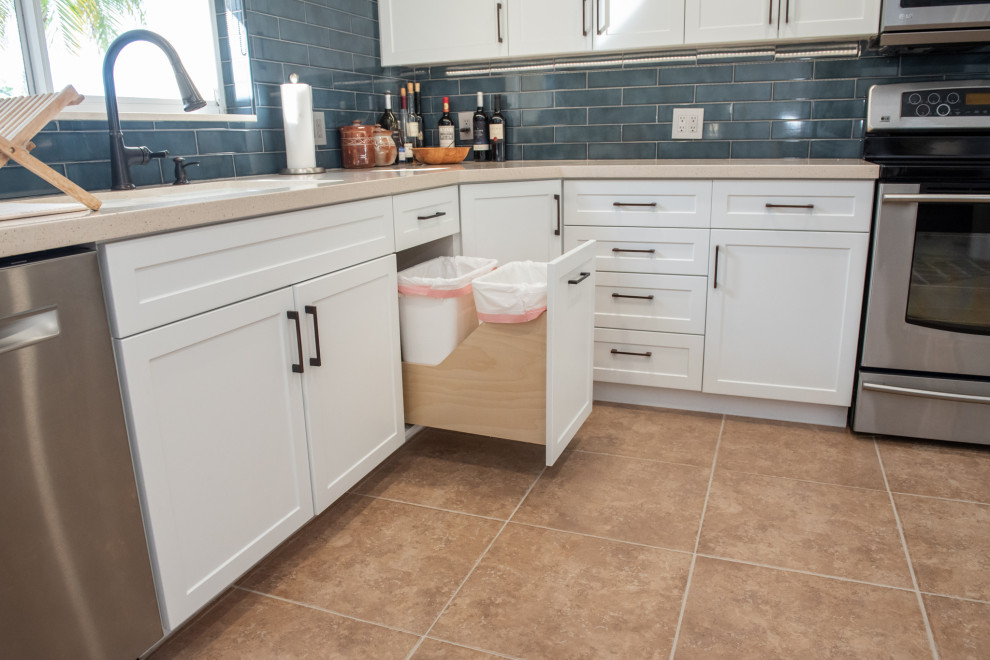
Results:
<point x="929" y="106"/>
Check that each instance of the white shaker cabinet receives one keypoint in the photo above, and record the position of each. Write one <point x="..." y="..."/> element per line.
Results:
<point x="783" y="314"/>
<point x="216" y="426"/>
<point x="512" y="221"/>
<point x="547" y="27"/>
<point x="804" y="19"/>
<point x="727" y="21"/>
<point x="634" y="24"/>
<point x="424" y="31"/>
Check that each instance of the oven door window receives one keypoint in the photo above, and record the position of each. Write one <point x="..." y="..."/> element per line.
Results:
<point x="950" y="270"/>
<point x="909" y="4"/>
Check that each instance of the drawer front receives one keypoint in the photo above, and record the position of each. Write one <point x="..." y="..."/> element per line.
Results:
<point x="634" y="250"/>
<point x="425" y="216"/>
<point x="658" y="303"/>
<point x="638" y="203"/>
<point x="796" y="205"/>
<point x="159" y="279"/>
<point x="651" y="359"/>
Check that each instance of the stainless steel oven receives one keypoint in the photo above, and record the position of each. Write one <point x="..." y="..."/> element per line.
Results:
<point x="911" y="22"/>
<point x="925" y="361"/>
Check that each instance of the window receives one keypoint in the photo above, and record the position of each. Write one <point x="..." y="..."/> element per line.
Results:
<point x="54" y="43"/>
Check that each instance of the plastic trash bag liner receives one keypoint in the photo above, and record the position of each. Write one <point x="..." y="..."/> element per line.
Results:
<point x="443" y="277"/>
<point x="514" y="293"/>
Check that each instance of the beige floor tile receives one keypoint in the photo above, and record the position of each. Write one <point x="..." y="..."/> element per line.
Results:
<point x="821" y="528"/>
<point x="390" y="563"/>
<point x="545" y="594"/>
<point x="961" y="628"/>
<point x="469" y="473"/>
<point x="245" y="625"/>
<point x="949" y="544"/>
<point x="800" y="451"/>
<point x="436" y="650"/>
<point x="741" y="612"/>
<point x="938" y="469"/>
<point x="664" y="435"/>
<point x="620" y="498"/>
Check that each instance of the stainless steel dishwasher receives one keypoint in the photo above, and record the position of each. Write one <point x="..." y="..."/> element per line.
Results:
<point x="75" y="576"/>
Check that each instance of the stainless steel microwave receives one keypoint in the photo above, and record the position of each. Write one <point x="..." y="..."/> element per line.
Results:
<point x="919" y="22"/>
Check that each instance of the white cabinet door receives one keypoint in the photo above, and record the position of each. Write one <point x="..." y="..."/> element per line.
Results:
<point x="511" y="221"/>
<point x="570" y="345"/>
<point x="801" y="19"/>
<point x="352" y="378"/>
<point x="422" y="31"/>
<point x="549" y="27"/>
<point x="714" y="21"/>
<point x="216" y="428"/>
<point x="783" y="314"/>
<point x="632" y="24"/>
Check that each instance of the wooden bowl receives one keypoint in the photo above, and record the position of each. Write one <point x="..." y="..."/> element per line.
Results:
<point x="440" y="155"/>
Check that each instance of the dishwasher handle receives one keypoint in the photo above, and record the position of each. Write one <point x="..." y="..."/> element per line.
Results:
<point x="22" y="330"/>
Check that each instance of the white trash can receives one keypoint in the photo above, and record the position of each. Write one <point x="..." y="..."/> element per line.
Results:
<point x="515" y="293"/>
<point x="436" y="308"/>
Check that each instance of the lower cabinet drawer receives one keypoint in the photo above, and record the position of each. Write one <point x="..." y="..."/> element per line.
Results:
<point x="676" y="251"/>
<point x="659" y="303"/>
<point x="652" y="359"/>
<point x="425" y="216"/>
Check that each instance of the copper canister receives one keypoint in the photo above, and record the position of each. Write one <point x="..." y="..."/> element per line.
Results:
<point x="385" y="149"/>
<point x="357" y="148"/>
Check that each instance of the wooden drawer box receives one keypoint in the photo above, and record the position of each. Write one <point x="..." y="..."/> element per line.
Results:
<point x="640" y="250"/>
<point x="652" y="359"/>
<point x="638" y="203"/>
<point x="425" y="216"/>
<point x="658" y="303"/>
<point x="797" y="205"/>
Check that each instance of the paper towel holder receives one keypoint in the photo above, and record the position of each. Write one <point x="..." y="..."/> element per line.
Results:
<point x="294" y="79"/>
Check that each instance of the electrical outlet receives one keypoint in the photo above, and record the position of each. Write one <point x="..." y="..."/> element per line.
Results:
<point x="465" y="125"/>
<point x="688" y="123"/>
<point x="320" y="128"/>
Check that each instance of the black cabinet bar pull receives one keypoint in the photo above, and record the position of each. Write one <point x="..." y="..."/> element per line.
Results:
<point x="318" y="360"/>
<point x="787" y="11"/>
<point x="430" y="217"/>
<point x="650" y="251"/>
<point x="715" y="276"/>
<point x="616" y="351"/>
<point x="770" y="13"/>
<point x="790" y="206"/>
<point x="649" y="204"/>
<point x="294" y="316"/>
<point x="498" y="21"/>
<point x="556" y="232"/>
<point x="583" y="277"/>
<point x="584" y="18"/>
<point x="623" y="295"/>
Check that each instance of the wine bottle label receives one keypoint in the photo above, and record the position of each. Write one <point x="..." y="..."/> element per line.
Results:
<point x="481" y="147"/>
<point x="496" y="131"/>
<point x="412" y="129"/>
<point x="447" y="136"/>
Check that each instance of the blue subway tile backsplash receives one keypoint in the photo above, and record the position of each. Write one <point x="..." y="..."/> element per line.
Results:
<point x="755" y="107"/>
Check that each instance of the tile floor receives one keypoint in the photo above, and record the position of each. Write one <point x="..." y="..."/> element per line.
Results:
<point x="660" y="534"/>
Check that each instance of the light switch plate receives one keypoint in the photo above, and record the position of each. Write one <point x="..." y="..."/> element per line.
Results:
<point x="688" y="123"/>
<point x="320" y="128"/>
<point x="465" y="125"/>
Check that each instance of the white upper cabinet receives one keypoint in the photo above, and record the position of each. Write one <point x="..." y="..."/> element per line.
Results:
<point x="545" y="27"/>
<point x="422" y="31"/>
<point x="727" y="21"/>
<point x="635" y="24"/>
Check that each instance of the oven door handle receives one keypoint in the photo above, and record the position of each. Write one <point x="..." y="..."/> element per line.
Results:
<point x="907" y="198"/>
<point x="926" y="394"/>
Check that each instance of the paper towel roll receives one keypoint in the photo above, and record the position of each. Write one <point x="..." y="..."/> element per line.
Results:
<point x="297" y="115"/>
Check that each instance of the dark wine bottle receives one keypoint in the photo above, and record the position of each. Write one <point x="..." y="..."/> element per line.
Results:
<point x="419" y="114"/>
<point x="413" y="120"/>
<point x="496" y="131"/>
<point x="480" y="122"/>
<point x="448" y="132"/>
<point x="389" y="121"/>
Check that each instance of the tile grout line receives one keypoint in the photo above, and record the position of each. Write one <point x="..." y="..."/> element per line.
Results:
<point x="804" y="481"/>
<point x="476" y="563"/>
<point x="602" y="538"/>
<point x="943" y="499"/>
<point x="473" y="648"/>
<point x="697" y="543"/>
<point x="637" y="458"/>
<point x="427" y="506"/>
<point x="907" y="554"/>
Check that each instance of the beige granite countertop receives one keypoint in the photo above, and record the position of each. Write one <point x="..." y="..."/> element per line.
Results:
<point x="127" y="214"/>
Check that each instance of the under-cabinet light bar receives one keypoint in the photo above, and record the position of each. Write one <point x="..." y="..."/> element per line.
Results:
<point x="851" y="50"/>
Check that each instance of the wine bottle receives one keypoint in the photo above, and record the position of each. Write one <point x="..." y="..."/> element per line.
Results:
<point x="404" y="154"/>
<point x="389" y="121"/>
<point x="448" y="132"/>
<point x="413" y="121"/>
<point x="419" y="114"/>
<point x="480" y="122"/>
<point x="496" y="131"/>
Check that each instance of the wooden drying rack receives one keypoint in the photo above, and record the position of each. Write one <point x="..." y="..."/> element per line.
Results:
<point x="20" y="120"/>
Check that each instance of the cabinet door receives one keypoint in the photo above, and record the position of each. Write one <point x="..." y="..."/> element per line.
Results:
<point x="813" y="18"/>
<point x="511" y="221"/>
<point x="708" y="21"/>
<point x="783" y="314"/>
<point x="548" y="27"/>
<point x="629" y="24"/>
<point x="353" y="378"/>
<point x="421" y="31"/>
<point x="216" y="428"/>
